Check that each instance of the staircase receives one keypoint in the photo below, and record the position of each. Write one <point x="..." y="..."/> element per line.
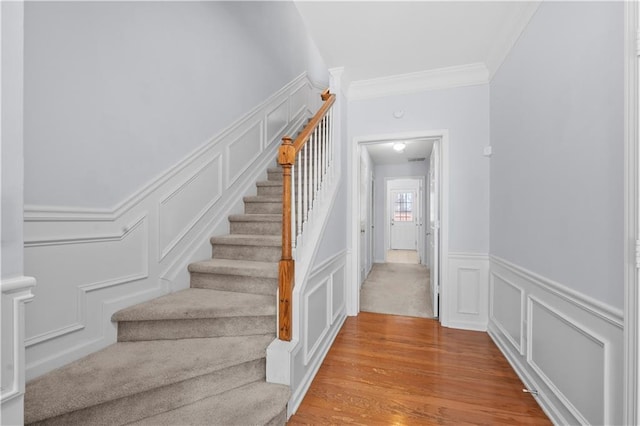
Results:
<point x="194" y="357"/>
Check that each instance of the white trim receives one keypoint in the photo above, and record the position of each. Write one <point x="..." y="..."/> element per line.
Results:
<point x="164" y="251"/>
<point x="519" y="346"/>
<point x="575" y="312"/>
<point x="18" y="289"/>
<point x="299" y="393"/>
<point x="528" y="381"/>
<point x="508" y="37"/>
<point x="353" y="151"/>
<point x="631" y="215"/>
<point x="39" y="213"/>
<point x="606" y="312"/>
<point x="588" y="334"/>
<point x="441" y="78"/>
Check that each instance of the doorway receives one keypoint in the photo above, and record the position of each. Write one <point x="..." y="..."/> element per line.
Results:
<point x="400" y="204"/>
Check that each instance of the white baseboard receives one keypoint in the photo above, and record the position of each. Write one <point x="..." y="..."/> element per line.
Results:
<point x="561" y="343"/>
<point x="92" y="263"/>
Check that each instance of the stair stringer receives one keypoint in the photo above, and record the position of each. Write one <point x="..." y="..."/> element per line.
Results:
<point x="281" y="355"/>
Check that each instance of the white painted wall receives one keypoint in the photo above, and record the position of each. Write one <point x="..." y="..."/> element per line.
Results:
<point x="12" y="146"/>
<point x="557" y="238"/>
<point x="118" y="92"/>
<point x="557" y="137"/>
<point x="385" y="171"/>
<point x="464" y="112"/>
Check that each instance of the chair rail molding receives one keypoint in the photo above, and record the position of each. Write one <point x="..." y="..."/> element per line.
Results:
<point x="93" y="262"/>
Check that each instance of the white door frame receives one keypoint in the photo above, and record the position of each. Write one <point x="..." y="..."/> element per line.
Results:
<point x="631" y="217"/>
<point x="353" y="287"/>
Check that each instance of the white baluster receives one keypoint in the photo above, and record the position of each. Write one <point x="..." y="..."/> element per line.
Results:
<point x="315" y="164"/>
<point x="299" y="206"/>
<point x="306" y="182"/>
<point x="293" y="206"/>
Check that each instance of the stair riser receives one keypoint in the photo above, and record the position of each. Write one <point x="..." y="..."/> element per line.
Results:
<point x="240" y="284"/>
<point x="130" y="331"/>
<point x="159" y="400"/>
<point x="274" y="176"/>
<point x="256" y="228"/>
<point x="270" y="190"/>
<point x="255" y="253"/>
<point x="262" y="208"/>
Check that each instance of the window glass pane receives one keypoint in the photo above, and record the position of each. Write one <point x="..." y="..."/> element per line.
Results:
<point x="403" y="207"/>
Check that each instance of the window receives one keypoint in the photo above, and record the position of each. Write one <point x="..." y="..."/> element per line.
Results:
<point x="403" y="207"/>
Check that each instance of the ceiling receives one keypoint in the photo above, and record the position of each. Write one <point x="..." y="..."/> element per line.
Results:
<point x="383" y="152"/>
<point x="373" y="39"/>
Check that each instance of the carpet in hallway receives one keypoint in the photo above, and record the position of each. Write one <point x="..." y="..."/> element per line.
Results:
<point x="398" y="289"/>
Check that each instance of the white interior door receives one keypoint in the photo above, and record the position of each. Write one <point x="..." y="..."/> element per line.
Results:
<point x="434" y="225"/>
<point x="403" y="219"/>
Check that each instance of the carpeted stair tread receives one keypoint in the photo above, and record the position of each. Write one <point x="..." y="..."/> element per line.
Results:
<point x="195" y="303"/>
<point x="257" y="403"/>
<point x="277" y="169"/>
<point x="126" y="369"/>
<point x="248" y="240"/>
<point x="245" y="268"/>
<point x="263" y="199"/>
<point x="269" y="183"/>
<point x="255" y="218"/>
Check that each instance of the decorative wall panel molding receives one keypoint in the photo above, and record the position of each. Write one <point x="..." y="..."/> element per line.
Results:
<point x="324" y="314"/>
<point x="16" y="292"/>
<point x="564" y="344"/>
<point x="92" y="262"/>
<point x="468" y="294"/>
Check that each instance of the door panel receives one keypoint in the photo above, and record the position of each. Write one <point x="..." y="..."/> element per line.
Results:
<point x="403" y="220"/>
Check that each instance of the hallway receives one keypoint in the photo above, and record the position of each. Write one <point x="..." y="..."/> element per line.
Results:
<point x="385" y="369"/>
<point x="399" y="287"/>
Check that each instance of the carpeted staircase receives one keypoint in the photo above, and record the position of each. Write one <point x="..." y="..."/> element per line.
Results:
<point x="194" y="357"/>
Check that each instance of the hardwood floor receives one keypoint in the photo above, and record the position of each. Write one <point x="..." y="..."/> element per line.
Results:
<point x="394" y="370"/>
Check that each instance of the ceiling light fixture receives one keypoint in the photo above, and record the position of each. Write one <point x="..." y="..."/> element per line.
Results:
<point x="399" y="146"/>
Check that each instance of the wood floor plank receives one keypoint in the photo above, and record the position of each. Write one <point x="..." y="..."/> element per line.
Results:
<point x="393" y="370"/>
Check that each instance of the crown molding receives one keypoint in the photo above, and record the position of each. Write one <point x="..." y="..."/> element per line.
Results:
<point x="509" y="35"/>
<point x="441" y="78"/>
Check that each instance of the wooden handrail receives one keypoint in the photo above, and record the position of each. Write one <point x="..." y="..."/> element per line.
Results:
<point x="303" y="137"/>
<point x="286" y="158"/>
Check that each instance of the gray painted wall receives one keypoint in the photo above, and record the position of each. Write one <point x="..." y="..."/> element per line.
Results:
<point x="118" y="92"/>
<point x="12" y="135"/>
<point x="465" y="113"/>
<point x="381" y="172"/>
<point x="557" y="136"/>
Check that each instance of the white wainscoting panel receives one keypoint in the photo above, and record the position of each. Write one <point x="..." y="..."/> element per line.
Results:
<point x="276" y="121"/>
<point x="323" y="320"/>
<point x="243" y="150"/>
<point x="508" y="313"/>
<point x="198" y="192"/>
<point x="90" y="263"/>
<point x="563" y="344"/>
<point x="468" y="291"/>
<point x="16" y="292"/>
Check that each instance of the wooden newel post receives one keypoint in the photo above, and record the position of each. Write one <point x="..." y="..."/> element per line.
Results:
<point x="286" y="158"/>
